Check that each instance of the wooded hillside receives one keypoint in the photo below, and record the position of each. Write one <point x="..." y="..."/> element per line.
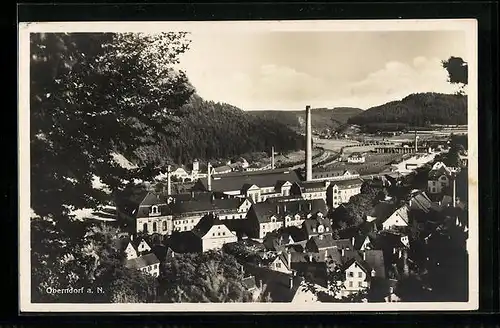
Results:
<point x="419" y="109"/>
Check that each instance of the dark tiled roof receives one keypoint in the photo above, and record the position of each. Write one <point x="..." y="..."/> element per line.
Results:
<point x="420" y="202"/>
<point x="206" y="205"/>
<point x="312" y="185"/>
<point x="342" y="244"/>
<point x="435" y="174"/>
<point x="322" y="241"/>
<point x="236" y="180"/>
<point x="142" y="261"/>
<point x="143" y="212"/>
<point x="277" y="283"/>
<point x="152" y="198"/>
<point x="383" y="210"/>
<point x="347" y="183"/>
<point x="375" y="259"/>
<point x="311" y="225"/>
<point x="265" y="210"/>
<point x="205" y="224"/>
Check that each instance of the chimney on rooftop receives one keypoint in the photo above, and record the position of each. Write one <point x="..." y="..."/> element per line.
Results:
<point x="290" y="279"/>
<point x="308" y="144"/>
<point x="277" y="209"/>
<point x="364" y="255"/>
<point x="209" y="176"/>
<point x="169" y="181"/>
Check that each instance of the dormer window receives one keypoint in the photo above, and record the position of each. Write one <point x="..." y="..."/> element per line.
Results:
<point x="154" y="210"/>
<point x="321" y="229"/>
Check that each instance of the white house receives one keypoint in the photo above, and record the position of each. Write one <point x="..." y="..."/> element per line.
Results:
<point x="148" y="264"/>
<point x="356" y="278"/>
<point x="397" y="219"/>
<point x="282" y="263"/>
<point x="342" y="191"/>
<point x="130" y="251"/>
<point x="212" y="234"/>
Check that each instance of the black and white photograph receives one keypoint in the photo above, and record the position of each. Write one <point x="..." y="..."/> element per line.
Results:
<point x="250" y="166"/>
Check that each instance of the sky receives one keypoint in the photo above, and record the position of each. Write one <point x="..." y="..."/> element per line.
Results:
<point x="286" y="70"/>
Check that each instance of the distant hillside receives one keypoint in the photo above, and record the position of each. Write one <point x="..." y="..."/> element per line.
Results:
<point x="322" y="118"/>
<point x="419" y="109"/>
<point x="210" y="130"/>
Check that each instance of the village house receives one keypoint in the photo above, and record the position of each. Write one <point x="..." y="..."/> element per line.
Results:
<point x="439" y="178"/>
<point x="267" y="217"/>
<point x="148" y="264"/>
<point x="397" y="219"/>
<point x="340" y="192"/>
<point x="356" y="158"/>
<point x="310" y="189"/>
<point x="211" y="234"/>
<point x="317" y="226"/>
<point x="256" y="185"/>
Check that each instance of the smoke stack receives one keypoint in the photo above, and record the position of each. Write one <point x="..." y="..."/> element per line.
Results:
<point x="308" y="144"/>
<point x="169" y="181"/>
<point x="209" y="177"/>
<point x="272" y="158"/>
<point x="416" y="138"/>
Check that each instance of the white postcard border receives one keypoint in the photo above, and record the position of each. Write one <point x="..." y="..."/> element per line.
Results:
<point x="469" y="26"/>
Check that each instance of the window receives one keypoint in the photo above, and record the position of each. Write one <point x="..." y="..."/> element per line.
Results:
<point x="164" y="225"/>
<point x="350" y="283"/>
<point x="360" y="275"/>
<point x="145" y="227"/>
<point x="351" y="274"/>
<point x="154" y="210"/>
<point x="154" y="226"/>
<point x="218" y="233"/>
<point x="185" y="228"/>
<point x="278" y="265"/>
<point x="360" y="284"/>
<point x="223" y="233"/>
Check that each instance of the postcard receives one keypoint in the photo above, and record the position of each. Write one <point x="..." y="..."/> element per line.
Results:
<point x="249" y="166"/>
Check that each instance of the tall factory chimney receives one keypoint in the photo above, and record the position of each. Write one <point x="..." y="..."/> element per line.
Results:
<point x="416" y="139"/>
<point x="209" y="176"/>
<point x="308" y="144"/>
<point x="169" y="180"/>
<point x="272" y="157"/>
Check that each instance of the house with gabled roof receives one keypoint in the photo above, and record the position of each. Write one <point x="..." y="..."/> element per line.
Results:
<point x="399" y="218"/>
<point x="317" y="226"/>
<point x="211" y="233"/>
<point x="269" y="216"/>
<point x="148" y="264"/>
<point x="310" y="189"/>
<point x="438" y="178"/>
<point x="340" y="192"/>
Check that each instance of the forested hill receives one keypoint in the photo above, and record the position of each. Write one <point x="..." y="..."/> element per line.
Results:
<point x="210" y="130"/>
<point x="322" y="118"/>
<point x="417" y="110"/>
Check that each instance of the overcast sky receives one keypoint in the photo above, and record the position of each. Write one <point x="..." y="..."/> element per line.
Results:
<point x="289" y="70"/>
